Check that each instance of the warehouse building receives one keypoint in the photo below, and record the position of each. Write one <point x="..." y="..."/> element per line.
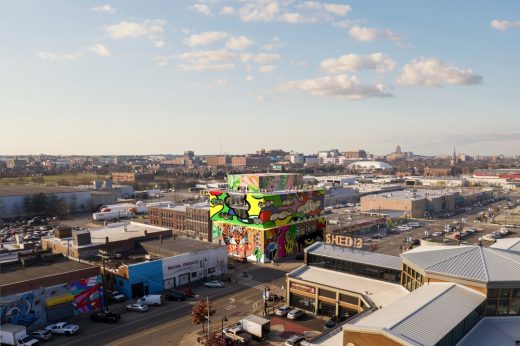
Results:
<point x="44" y="288"/>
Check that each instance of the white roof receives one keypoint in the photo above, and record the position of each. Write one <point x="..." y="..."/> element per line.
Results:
<point x="511" y="244"/>
<point x="355" y="255"/>
<point x="421" y="317"/>
<point x="493" y="331"/>
<point x="370" y="165"/>
<point x="379" y="292"/>
<point x="473" y="263"/>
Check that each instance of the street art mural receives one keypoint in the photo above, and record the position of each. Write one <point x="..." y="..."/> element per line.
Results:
<point x="266" y="210"/>
<point x="272" y="243"/>
<point x="24" y="309"/>
<point x="264" y="182"/>
<point x="29" y="308"/>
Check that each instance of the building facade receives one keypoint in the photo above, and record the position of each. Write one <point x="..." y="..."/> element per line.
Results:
<point x="191" y="221"/>
<point x="263" y="226"/>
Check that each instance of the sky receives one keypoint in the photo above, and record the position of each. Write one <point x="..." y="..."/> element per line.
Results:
<point x="144" y="77"/>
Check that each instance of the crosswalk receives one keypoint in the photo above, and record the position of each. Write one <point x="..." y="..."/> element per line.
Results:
<point x="260" y="286"/>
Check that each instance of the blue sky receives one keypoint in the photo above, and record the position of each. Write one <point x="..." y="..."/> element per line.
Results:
<point x="136" y="77"/>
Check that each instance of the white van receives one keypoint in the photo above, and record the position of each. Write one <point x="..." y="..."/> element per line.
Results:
<point x="151" y="299"/>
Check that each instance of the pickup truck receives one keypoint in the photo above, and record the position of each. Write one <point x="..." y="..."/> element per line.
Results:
<point x="63" y="328"/>
<point x="237" y="335"/>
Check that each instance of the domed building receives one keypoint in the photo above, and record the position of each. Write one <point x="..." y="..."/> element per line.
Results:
<point x="370" y="166"/>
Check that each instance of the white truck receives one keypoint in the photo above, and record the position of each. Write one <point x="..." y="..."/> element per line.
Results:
<point x="12" y="334"/>
<point x="257" y="326"/>
<point x="151" y="299"/>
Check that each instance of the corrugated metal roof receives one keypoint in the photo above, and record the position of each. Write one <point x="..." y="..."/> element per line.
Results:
<point x="355" y="255"/>
<point x="511" y="244"/>
<point x="474" y="263"/>
<point x="421" y="316"/>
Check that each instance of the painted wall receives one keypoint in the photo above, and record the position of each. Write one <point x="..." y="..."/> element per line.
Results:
<point x="263" y="245"/>
<point x="149" y="273"/>
<point x="266" y="210"/>
<point x="263" y="183"/>
<point x="29" y="308"/>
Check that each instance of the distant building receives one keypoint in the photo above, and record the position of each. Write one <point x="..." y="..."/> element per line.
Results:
<point x="16" y="163"/>
<point x="437" y="171"/>
<point x="191" y="221"/>
<point x="218" y="160"/>
<point x="370" y="166"/>
<point x="250" y="161"/>
<point x="132" y="178"/>
<point x="357" y="154"/>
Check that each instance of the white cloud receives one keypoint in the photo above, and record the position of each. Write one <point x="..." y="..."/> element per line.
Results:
<point x="351" y="62"/>
<point x="295" y="18"/>
<point x="260" y="11"/>
<point x="504" y="24"/>
<point x="337" y="9"/>
<point x="227" y="11"/>
<point x="275" y="43"/>
<point x="100" y="50"/>
<point x="260" y="58"/>
<point x="266" y="68"/>
<point x="206" y="60"/>
<point x="370" y="34"/>
<point x="59" y="57"/>
<point x="249" y="78"/>
<point x="201" y="8"/>
<point x="205" y="38"/>
<point x="152" y="29"/>
<point x="434" y="73"/>
<point x="104" y="8"/>
<point x="341" y="87"/>
<point x="239" y="42"/>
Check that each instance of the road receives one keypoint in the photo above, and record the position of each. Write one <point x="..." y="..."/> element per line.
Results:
<point x="168" y="324"/>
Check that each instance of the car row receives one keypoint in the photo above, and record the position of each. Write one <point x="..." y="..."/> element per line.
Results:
<point x="289" y="312"/>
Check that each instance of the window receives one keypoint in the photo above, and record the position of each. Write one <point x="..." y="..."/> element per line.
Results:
<point x="516" y="293"/>
<point x="505" y="293"/>
<point x="492" y="293"/>
<point x="514" y="309"/>
<point x="328" y="294"/>
<point x="491" y="307"/>
<point x="348" y="299"/>
<point x="193" y="275"/>
<point x="502" y="307"/>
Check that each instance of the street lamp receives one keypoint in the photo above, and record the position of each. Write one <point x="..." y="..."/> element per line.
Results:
<point x="222" y="329"/>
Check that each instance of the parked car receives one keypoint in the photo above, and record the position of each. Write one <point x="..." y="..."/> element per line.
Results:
<point x="63" y="328"/>
<point x="105" y="316"/>
<point x="282" y="310"/>
<point x="294" y="340"/>
<point x="175" y="295"/>
<point x="116" y="296"/>
<point x="42" y="334"/>
<point x="295" y="314"/>
<point x="214" y="284"/>
<point x="137" y="307"/>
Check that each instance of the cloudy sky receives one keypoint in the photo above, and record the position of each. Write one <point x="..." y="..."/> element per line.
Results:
<point x="125" y="77"/>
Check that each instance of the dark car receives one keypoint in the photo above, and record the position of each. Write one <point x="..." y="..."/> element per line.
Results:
<point x="105" y="316"/>
<point x="175" y="295"/>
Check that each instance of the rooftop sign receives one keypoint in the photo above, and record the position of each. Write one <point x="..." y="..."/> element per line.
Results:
<point x="345" y="241"/>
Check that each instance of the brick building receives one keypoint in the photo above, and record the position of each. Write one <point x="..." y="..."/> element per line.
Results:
<point x="218" y="160"/>
<point x="191" y="221"/>
<point x="132" y="178"/>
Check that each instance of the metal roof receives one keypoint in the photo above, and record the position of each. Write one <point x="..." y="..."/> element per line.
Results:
<point x="355" y="255"/>
<point x="493" y="331"/>
<point x="420" y="317"/>
<point x="473" y="263"/>
<point x="511" y="244"/>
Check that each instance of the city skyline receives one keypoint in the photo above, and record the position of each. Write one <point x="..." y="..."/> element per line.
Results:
<point x="124" y="78"/>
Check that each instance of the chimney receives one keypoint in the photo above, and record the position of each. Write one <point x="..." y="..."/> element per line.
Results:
<point x="106" y="240"/>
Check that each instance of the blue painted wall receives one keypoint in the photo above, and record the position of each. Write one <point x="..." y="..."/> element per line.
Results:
<point x="150" y="273"/>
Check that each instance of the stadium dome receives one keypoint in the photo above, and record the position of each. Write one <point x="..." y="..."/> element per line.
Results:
<point x="370" y="165"/>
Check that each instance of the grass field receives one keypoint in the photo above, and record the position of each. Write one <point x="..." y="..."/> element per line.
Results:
<point x="62" y="179"/>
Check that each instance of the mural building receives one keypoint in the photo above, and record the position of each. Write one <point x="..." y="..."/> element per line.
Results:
<point x="263" y="226"/>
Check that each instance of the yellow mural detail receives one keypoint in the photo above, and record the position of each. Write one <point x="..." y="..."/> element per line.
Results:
<point x="255" y="209"/>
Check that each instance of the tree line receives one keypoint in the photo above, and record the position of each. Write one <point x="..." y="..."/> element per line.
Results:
<point x="42" y="204"/>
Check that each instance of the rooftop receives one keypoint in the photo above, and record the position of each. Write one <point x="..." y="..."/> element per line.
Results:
<point x="48" y="265"/>
<point x="493" y="331"/>
<point x="178" y="246"/>
<point x="379" y="292"/>
<point x="469" y="262"/>
<point x="420" y="317"/>
<point x="114" y="232"/>
<point x="23" y="190"/>
<point x="355" y="255"/>
<point x="510" y="244"/>
<point x="412" y="195"/>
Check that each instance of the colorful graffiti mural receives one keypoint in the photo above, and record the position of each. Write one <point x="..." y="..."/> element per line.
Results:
<point x="264" y="182"/>
<point x="270" y="243"/>
<point x="29" y="308"/>
<point x="266" y="210"/>
<point x="24" y="309"/>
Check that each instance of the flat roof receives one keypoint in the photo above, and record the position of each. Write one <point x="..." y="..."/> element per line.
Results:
<point x="170" y="247"/>
<point x="23" y="190"/>
<point x="503" y="330"/>
<point x="355" y="255"/>
<point x="381" y="293"/>
<point x="42" y="268"/>
<point x="425" y="315"/>
<point x="412" y="195"/>
<point x="114" y="232"/>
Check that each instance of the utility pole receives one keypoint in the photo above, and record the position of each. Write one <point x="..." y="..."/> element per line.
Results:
<point x="103" y="254"/>
<point x="207" y="305"/>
